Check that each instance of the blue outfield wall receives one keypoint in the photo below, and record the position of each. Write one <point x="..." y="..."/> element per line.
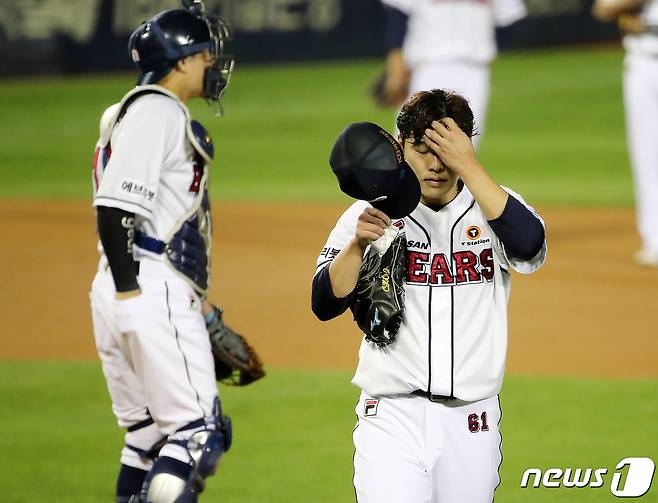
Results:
<point x="70" y="36"/>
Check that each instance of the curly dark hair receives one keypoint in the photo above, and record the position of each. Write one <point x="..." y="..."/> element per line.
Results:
<point x="424" y="107"/>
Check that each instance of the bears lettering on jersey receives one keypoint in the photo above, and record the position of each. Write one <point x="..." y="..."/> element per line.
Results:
<point x="198" y="175"/>
<point x="469" y="267"/>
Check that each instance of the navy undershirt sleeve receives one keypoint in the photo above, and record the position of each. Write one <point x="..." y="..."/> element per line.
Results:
<point x="520" y="231"/>
<point x="396" y="28"/>
<point x="324" y="303"/>
<point x="115" y="229"/>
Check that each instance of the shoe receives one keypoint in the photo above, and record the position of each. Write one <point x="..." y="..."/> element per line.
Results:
<point x="646" y="258"/>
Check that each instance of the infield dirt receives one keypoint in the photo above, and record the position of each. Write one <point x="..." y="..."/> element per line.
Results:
<point x="589" y="311"/>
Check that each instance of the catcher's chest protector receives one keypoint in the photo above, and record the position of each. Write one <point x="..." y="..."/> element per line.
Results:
<point x="186" y="248"/>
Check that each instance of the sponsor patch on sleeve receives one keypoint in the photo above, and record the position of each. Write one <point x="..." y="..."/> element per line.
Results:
<point x="136" y="188"/>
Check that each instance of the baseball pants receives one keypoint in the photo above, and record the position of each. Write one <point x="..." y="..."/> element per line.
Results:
<point x="468" y="79"/>
<point x="164" y="369"/>
<point x="641" y="105"/>
<point x="411" y="450"/>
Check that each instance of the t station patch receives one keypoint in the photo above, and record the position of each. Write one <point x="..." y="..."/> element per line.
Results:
<point x="370" y="407"/>
<point x="473" y="232"/>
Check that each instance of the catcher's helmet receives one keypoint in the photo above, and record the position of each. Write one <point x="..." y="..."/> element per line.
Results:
<point x="158" y="43"/>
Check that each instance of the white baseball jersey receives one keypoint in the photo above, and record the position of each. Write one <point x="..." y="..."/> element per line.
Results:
<point x="154" y="348"/>
<point x="462" y="30"/>
<point x="645" y="43"/>
<point x="453" y="337"/>
<point x="152" y="168"/>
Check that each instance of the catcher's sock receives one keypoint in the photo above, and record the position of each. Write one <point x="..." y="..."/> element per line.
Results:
<point x="129" y="482"/>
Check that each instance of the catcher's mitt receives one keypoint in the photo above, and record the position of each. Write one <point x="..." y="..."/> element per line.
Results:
<point x="236" y="362"/>
<point x="378" y="302"/>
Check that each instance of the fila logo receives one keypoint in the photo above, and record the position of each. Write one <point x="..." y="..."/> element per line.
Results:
<point x="399" y="224"/>
<point x="370" y="407"/>
<point x="473" y="232"/>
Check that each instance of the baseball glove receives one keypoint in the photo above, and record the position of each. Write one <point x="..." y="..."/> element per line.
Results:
<point x="381" y="95"/>
<point x="631" y="23"/>
<point x="236" y="362"/>
<point x="377" y="90"/>
<point x="378" y="301"/>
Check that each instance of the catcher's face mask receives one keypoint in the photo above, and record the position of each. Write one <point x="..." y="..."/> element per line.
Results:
<point x="218" y="74"/>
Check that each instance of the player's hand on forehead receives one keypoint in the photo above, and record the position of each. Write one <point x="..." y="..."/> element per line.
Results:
<point x="450" y="143"/>
<point x="444" y="126"/>
<point x="443" y="130"/>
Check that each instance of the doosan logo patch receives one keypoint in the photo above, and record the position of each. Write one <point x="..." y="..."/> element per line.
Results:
<point x="370" y="407"/>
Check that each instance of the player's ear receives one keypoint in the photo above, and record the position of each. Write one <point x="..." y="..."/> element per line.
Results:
<point x="182" y="64"/>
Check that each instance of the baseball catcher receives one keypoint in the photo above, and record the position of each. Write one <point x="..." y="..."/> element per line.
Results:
<point x="236" y="362"/>
<point x="378" y="301"/>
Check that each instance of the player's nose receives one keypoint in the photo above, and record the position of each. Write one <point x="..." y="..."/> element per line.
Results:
<point x="436" y="165"/>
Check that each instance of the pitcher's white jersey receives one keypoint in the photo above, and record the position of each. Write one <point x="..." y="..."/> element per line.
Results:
<point x="645" y="43"/>
<point x="453" y="337"/>
<point x="152" y="169"/>
<point x="462" y="30"/>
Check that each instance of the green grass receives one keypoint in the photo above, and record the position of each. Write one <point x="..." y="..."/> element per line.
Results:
<point x="293" y="435"/>
<point x="555" y="131"/>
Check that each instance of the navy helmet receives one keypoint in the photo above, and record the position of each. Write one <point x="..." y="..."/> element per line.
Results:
<point x="161" y="41"/>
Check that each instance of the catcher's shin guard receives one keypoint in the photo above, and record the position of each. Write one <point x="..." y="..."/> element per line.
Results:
<point x="173" y="481"/>
<point x="168" y="483"/>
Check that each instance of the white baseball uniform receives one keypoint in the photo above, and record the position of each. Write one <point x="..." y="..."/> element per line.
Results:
<point x="449" y="44"/>
<point x="641" y="104"/>
<point x="451" y="344"/>
<point x="155" y="353"/>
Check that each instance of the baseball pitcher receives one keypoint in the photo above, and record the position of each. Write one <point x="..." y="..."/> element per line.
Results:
<point x="429" y="413"/>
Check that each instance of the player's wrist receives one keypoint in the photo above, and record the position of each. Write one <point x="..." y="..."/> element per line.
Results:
<point x="360" y="244"/>
<point x="471" y="170"/>
<point x="213" y="316"/>
<point x="206" y="307"/>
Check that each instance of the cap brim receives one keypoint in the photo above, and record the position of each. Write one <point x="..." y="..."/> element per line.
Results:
<point x="404" y="199"/>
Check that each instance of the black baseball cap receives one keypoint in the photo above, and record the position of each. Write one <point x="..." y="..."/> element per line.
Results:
<point x="369" y="164"/>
